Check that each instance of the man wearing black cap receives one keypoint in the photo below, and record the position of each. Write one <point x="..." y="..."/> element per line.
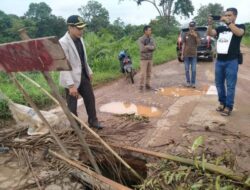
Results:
<point x="189" y="53"/>
<point x="77" y="81"/>
<point x="228" y="56"/>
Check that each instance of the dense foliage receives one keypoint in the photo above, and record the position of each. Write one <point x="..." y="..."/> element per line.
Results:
<point x="205" y="10"/>
<point x="103" y="47"/>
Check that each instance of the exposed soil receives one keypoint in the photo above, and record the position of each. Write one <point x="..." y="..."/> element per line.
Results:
<point x="185" y="115"/>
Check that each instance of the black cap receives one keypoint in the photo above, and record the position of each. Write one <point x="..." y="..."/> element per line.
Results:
<point x="192" y="24"/>
<point x="77" y="21"/>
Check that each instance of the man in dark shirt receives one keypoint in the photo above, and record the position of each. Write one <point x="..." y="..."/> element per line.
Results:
<point x="77" y="82"/>
<point x="189" y="53"/>
<point x="228" y="51"/>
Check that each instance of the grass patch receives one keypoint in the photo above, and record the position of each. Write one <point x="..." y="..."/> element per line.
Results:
<point x="104" y="77"/>
<point x="246" y="41"/>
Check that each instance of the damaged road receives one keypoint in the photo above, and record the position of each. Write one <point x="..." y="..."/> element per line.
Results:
<point x="166" y="120"/>
<point x="185" y="113"/>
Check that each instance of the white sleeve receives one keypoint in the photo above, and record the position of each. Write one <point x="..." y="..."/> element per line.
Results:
<point x="66" y="75"/>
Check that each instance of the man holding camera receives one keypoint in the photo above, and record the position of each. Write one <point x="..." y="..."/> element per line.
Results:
<point x="228" y="56"/>
<point x="189" y="53"/>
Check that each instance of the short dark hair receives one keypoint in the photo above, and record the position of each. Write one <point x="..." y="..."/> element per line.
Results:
<point x="234" y="10"/>
<point x="145" y="28"/>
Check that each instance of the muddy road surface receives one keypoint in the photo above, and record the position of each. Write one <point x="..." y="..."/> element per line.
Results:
<point x="167" y="119"/>
<point x="176" y="114"/>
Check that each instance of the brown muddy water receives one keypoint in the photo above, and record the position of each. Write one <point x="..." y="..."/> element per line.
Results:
<point x="120" y="108"/>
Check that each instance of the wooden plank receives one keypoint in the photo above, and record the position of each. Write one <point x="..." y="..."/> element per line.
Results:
<point x="41" y="54"/>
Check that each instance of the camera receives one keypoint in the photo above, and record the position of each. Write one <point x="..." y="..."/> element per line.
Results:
<point x="216" y="17"/>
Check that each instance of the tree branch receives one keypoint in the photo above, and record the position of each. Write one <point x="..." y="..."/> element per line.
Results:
<point x="155" y="5"/>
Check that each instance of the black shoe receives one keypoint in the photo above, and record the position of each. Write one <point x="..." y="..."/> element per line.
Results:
<point x="226" y="112"/>
<point x="148" y="87"/>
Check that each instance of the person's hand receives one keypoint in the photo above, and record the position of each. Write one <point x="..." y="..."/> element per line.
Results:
<point x="73" y="91"/>
<point x="182" y="58"/>
<point x="193" y="33"/>
<point x="210" y="20"/>
<point x="225" y="19"/>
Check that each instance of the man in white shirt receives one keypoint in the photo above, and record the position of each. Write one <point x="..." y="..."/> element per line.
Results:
<point x="78" y="81"/>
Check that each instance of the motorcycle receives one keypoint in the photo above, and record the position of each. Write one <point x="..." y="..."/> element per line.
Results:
<point x="126" y="65"/>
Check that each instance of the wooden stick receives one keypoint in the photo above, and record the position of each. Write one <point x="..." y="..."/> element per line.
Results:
<point x="91" y="177"/>
<point x="39" y="87"/>
<point x="210" y="167"/>
<point x="31" y="169"/>
<point x="72" y="121"/>
<point x="73" y="124"/>
<point x="40" y="115"/>
<point x="88" y="129"/>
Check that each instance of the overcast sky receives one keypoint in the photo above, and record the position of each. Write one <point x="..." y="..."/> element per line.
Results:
<point x="127" y="10"/>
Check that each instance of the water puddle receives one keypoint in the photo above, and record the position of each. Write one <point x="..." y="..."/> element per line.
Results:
<point x="130" y="108"/>
<point x="182" y="91"/>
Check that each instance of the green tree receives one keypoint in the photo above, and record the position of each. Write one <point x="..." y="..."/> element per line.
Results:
<point x="133" y="31"/>
<point x="117" y="28"/>
<point x="38" y="11"/>
<point x="161" y="29"/>
<point x="168" y="8"/>
<point x="205" y="10"/>
<point x="47" y="24"/>
<point x="9" y="26"/>
<point x="95" y="15"/>
<point x="5" y="22"/>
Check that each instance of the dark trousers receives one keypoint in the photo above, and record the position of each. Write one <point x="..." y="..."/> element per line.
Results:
<point x="86" y="91"/>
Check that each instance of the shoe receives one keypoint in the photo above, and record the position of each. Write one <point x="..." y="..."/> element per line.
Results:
<point x="226" y="112"/>
<point x="220" y="108"/>
<point x="96" y="126"/>
<point x="148" y="87"/>
<point x="193" y="86"/>
<point x="141" y="88"/>
<point x="188" y="84"/>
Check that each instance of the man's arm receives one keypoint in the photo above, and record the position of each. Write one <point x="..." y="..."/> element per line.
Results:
<point x="236" y="30"/>
<point x="182" y="50"/>
<point x="197" y="37"/>
<point x="152" y="45"/>
<point x="141" y="45"/>
<point x="66" y="75"/>
<point x="210" y="31"/>
<point x="183" y="47"/>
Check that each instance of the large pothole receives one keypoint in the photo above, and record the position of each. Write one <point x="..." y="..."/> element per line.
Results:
<point x="113" y="169"/>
